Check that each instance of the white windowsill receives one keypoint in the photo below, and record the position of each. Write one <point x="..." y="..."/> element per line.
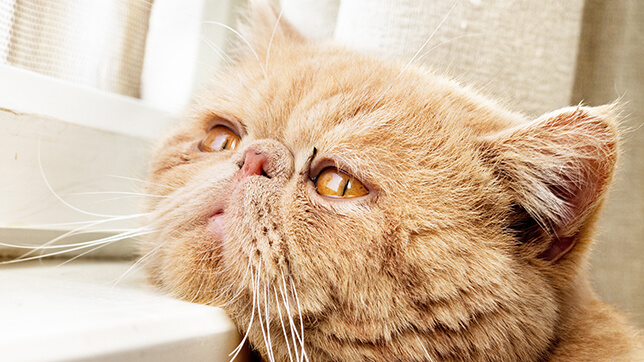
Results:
<point x="23" y="91"/>
<point x="79" y="311"/>
<point x="77" y="140"/>
<point x="80" y="141"/>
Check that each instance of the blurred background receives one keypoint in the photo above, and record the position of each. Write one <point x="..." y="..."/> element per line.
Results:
<point x="107" y="77"/>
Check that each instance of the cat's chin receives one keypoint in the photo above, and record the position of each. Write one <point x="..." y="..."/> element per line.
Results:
<point x="216" y="224"/>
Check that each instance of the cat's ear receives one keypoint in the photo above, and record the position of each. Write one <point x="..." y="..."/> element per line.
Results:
<point x="263" y="26"/>
<point x="558" y="169"/>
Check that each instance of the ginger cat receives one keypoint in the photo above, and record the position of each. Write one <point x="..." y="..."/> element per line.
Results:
<point x="345" y="208"/>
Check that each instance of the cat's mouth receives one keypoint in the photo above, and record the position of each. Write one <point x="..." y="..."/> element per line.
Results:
<point x="216" y="224"/>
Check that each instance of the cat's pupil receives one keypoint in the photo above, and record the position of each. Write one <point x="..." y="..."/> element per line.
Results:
<point x="336" y="183"/>
<point x="218" y="139"/>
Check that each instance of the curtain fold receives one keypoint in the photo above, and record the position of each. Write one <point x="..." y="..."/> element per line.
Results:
<point x="610" y="67"/>
<point x="314" y="19"/>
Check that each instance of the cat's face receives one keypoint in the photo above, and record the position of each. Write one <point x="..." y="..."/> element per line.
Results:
<point x="373" y="210"/>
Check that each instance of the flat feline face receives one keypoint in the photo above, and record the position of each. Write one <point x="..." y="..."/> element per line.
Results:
<point x="363" y="209"/>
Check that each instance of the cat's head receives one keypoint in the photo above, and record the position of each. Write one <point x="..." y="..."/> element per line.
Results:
<point x="372" y="209"/>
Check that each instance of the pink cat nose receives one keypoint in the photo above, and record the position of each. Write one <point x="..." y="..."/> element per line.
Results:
<point x="255" y="163"/>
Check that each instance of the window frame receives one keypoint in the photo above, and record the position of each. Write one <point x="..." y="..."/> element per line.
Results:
<point x="28" y="98"/>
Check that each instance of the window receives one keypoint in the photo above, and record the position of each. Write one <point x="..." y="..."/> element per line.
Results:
<point x="86" y="88"/>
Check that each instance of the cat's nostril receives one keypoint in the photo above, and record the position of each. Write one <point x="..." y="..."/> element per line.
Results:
<point x="254" y="165"/>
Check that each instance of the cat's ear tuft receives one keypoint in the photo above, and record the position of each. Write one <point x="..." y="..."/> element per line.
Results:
<point x="558" y="169"/>
<point x="263" y="26"/>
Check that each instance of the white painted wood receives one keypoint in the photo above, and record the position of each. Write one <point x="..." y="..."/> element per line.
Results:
<point x="23" y="91"/>
<point x="314" y="19"/>
<point x="171" y="53"/>
<point x="74" y="160"/>
<point x="85" y="311"/>
<point x="187" y="44"/>
<point x="215" y="40"/>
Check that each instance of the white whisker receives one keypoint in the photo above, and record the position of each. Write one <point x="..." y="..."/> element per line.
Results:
<point x="107" y="240"/>
<point x="259" y="307"/>
<point x="237" y="350"/>
<point x="114" y="193"/>
<point x="294" y="334"/>
<point x="424" y="349"/>
<point x="70" y="233"/>
<point x="139" y="180"/>
<point x="270" y="42"/>
<point x="58" y="246"/>
<point x="198" y="291"/>
<point x="137" y="263"/>
<point x="279" y="313"/>
<point x="242" y="38"/>
<point x="299" y="311"/>
<point x="431" y="36"/>
<point x="447" y="42"/>
<point x="269" y="347"/>
<point x="45" y="226"/>
<point x="51" y="189"/>
<point x="96" y="248"/>
<point x="220" y="52"/>
<point x="240" y="287"/>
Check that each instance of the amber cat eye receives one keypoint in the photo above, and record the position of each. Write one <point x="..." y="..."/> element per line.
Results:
<point x="336" y="183"/>
<point x="218" y="139"/>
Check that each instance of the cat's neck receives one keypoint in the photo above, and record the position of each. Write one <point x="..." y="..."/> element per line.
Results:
<point x="590" y="330"/>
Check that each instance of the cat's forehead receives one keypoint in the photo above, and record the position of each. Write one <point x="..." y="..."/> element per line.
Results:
<point x="329" y="88"/>
<point x="338" y="101"/>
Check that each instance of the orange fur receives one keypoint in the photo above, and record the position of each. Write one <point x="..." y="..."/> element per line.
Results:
<point x="471" y="246"/>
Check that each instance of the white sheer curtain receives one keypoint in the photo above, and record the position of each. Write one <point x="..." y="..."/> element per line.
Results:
<point x="99" y="44"/>
<point x="611" y="66"/>
<point x="522" y="52"/>
<point x="156" y="50"/>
